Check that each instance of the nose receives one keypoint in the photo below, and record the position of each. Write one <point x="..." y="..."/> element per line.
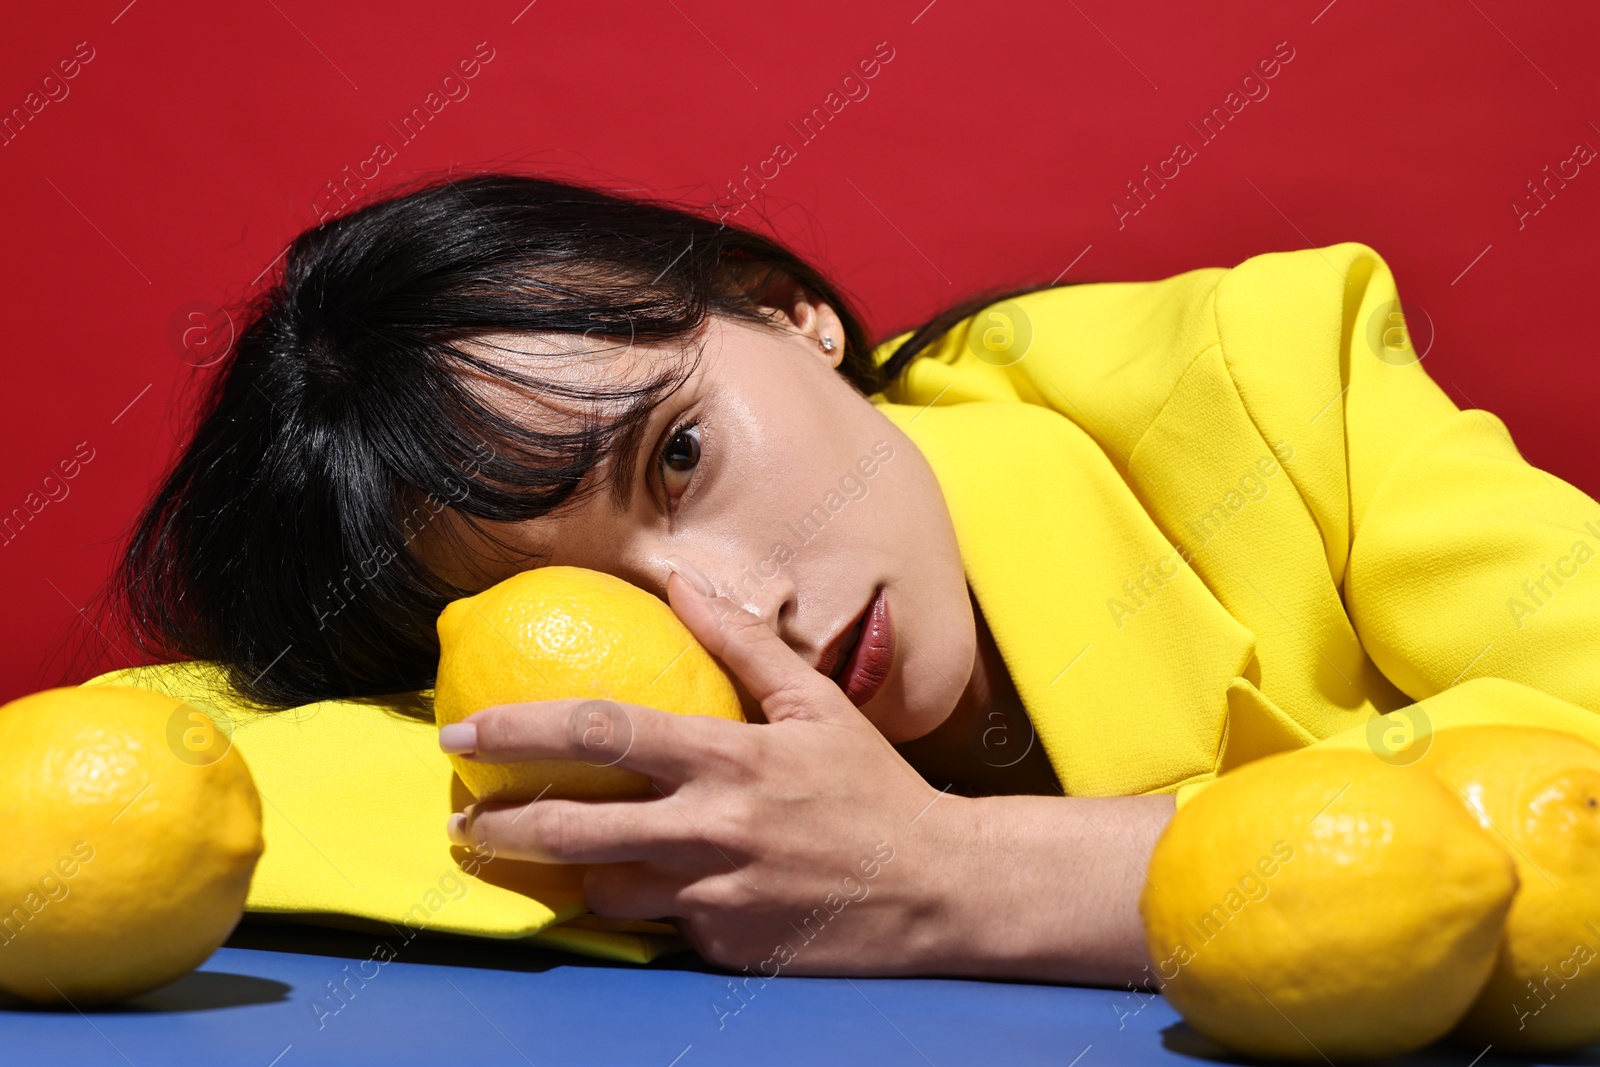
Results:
<point x="762" y="587"/>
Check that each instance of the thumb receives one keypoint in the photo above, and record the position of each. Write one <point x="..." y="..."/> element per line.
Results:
<point x="771" y="671"/>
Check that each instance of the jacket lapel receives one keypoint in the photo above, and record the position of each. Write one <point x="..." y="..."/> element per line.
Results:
<point x="1121" y="655"/>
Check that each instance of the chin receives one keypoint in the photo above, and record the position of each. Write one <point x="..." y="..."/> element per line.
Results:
<point x="902" y="717"/>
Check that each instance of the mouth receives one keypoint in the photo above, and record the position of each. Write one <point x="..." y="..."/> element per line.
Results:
<point x="859" y="659"/>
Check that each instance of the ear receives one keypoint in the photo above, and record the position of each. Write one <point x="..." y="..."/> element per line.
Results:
<point x="801" y="313"/>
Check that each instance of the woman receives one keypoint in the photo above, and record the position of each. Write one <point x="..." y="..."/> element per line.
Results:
<point x="1181" y="524"/>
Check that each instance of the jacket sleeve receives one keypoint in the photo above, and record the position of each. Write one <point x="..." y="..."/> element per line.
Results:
<point x="1463" y="560"/>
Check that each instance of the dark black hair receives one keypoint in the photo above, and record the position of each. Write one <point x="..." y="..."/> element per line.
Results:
<point x="349" y="413"/>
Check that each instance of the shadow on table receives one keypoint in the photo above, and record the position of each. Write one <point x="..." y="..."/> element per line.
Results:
<point x="444" y="949"/>
<point x="195" y="991"/>
<point x="1181" y="1039"/>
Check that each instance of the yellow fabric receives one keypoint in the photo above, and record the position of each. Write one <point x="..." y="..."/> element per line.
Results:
<point x="1227" y="514"/>
<point x="1208" y="518"/>
<point x="354" y="801"/>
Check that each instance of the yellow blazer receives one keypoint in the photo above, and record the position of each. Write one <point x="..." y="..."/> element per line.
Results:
<point x="1207" y="518"/>
<point x="1228" y="513"/>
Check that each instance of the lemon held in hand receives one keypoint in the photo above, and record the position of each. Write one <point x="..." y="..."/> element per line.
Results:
<point x="559" y="632"/>
<point x="132" y="829"/>
<point x="1541" y="790"/>
<point x="1325" y="904"/>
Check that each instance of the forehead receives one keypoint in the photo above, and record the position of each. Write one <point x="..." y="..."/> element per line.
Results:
<point x="563" y="376"/>
<point x="564" y="358"/>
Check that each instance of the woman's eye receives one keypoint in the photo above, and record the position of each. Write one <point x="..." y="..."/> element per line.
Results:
<point x="679" y="459"/>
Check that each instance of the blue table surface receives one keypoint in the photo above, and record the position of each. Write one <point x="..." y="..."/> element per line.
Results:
<point x="263" y="1000"/>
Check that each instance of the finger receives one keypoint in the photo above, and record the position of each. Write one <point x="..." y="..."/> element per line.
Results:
<point x="786" y="685"/>
<point x="629" y="891"/>
<point x="602" y="733"/>
<point x="574" y="831"/>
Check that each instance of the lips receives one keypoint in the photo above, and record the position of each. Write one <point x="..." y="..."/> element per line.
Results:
<point x="860" y="657"/>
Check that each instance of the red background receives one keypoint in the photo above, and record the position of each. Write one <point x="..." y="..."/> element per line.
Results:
<point x="987" y="152"/>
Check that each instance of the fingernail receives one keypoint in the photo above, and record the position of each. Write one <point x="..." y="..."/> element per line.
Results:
<point x="459" y="737"/>
<point x="689" y="573"/>
<point x="456" y="828"/>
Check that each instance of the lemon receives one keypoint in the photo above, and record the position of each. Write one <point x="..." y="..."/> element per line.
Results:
<point x="1538" y="791"/>
<point x="131" y="831"/>
<point x="1324" y="905"/>
<point x="558" y="632"/>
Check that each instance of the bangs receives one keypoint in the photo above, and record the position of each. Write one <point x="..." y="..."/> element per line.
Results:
<point x="507" y="442"/>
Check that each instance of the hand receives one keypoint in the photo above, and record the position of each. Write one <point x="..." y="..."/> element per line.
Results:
<point x="803" y="845"/>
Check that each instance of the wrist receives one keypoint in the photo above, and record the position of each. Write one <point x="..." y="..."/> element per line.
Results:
<point x="1037" y="888"/>
<point x="950" y="920"/>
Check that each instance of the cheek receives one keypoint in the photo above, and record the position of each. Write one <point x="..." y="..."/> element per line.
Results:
<point x="930" y="605"/>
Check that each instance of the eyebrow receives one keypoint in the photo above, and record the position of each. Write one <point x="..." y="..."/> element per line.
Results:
<point x="626" y="455"/>
<point x="630" y="437"/>
<point x="626" y="445"/>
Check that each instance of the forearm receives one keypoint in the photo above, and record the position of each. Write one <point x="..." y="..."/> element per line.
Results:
<point x="1045" y="888"/>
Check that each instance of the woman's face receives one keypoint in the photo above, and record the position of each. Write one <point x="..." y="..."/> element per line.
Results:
<point x="768" y="473"/>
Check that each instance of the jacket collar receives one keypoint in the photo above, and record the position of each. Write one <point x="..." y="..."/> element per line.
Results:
<point x="1120" y="654"/>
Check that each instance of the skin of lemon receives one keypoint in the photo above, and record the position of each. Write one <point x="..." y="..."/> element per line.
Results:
<point x="559" y="632"/>
<point x="160" y="849"/>
<point x="1541" y="790"/>
<point x="1361" y="908"/>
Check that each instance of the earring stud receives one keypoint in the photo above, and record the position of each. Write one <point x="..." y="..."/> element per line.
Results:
<point x="827" y="342"/>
